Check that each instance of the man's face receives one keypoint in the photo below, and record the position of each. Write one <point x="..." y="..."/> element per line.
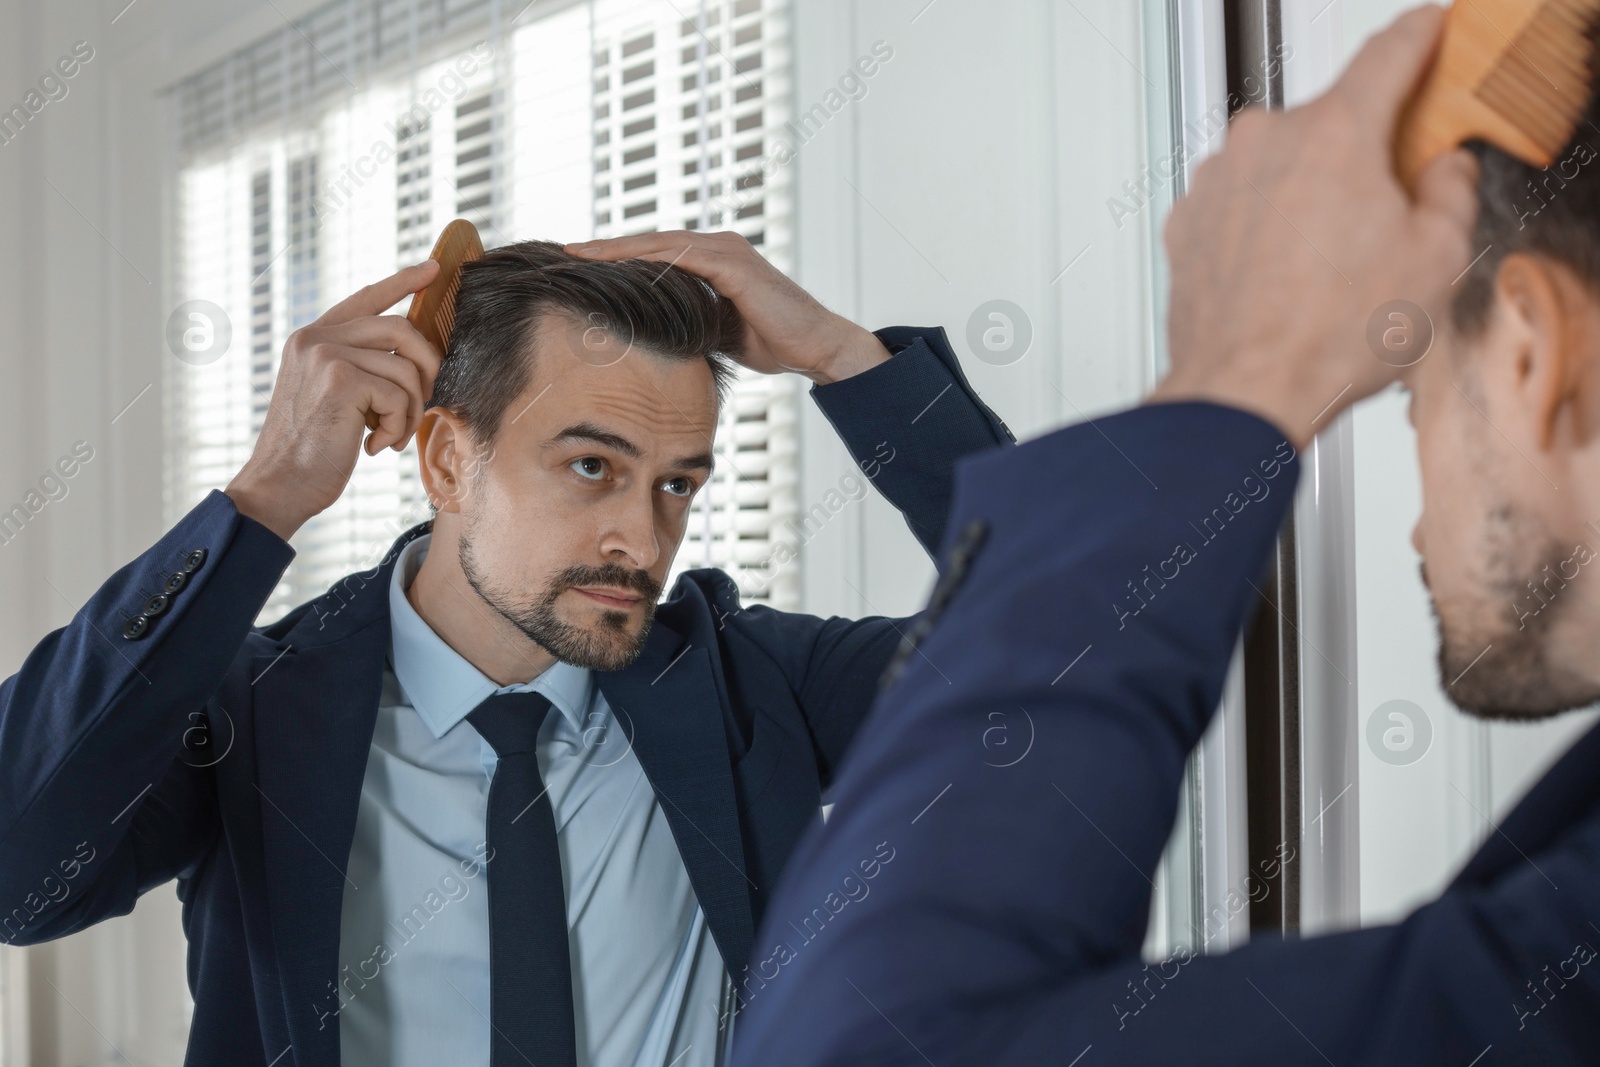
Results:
<point x="570" y="524"/>
<point x="1506" y="554"/>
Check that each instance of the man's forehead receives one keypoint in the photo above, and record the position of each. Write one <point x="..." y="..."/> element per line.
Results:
<point x="586" y="373"/>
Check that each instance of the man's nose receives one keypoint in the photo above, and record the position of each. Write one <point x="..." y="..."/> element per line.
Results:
<point x="631" y="535"/>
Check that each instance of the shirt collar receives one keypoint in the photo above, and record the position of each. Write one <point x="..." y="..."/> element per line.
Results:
<point x="439" y="682"/>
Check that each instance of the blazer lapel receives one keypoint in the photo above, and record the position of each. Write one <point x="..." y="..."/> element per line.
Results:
<point x="669" y="698"/>
<point x="315" y="707"/>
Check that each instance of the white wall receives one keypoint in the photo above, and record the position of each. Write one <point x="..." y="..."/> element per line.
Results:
<point x="981" y="166"/>
<point x="977" y="168"/>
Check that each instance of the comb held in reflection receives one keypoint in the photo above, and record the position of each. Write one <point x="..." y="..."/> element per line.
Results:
<point x="433" y="311"/>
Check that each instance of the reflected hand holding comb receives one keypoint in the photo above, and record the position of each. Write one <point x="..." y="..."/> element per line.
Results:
<point x="354" y="380"/>
<point x="433" y="310"/>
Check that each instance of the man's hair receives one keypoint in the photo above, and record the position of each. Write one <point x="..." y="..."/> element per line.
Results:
<point x="665" y="310"/>
<point x="1553" y="212"/>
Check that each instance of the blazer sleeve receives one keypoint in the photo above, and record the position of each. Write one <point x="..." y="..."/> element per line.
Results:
<point x="988" y="905"/>
<point x="906" y="422"/>
<point x="106" y="793"/>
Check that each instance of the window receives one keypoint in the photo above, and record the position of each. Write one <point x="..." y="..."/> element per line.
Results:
<point x="324" y="156"/>
<point x="740" y="517"/>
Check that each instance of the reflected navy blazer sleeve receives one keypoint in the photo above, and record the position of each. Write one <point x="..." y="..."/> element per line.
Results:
<point x="102" y="731"/>
<point x="979" y="902"/>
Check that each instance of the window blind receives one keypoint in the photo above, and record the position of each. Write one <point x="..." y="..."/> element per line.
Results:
<point x="325" y="156"/>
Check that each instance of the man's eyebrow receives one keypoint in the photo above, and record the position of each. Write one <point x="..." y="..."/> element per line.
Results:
<point x="588" y="431"/>
<point x="700" y="461"/>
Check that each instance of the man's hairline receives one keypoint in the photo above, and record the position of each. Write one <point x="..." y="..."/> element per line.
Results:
<point x="529" y="354"/>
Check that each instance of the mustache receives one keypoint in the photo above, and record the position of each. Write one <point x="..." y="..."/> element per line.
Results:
<point x="613" y="574"/>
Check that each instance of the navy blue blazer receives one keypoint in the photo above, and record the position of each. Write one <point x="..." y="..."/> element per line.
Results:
<point x="981" y="890"/>
<point x="160" y="735"/>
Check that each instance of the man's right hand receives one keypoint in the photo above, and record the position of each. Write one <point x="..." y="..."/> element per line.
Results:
<point x="350" y="370"/>
<point x="1297" y="235"/>
<point x="785" y="327"/>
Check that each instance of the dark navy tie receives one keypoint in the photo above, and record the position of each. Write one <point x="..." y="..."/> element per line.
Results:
<point x="530" y="970"/>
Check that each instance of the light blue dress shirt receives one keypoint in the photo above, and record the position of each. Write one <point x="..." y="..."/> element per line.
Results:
<point x="649" y="986"/>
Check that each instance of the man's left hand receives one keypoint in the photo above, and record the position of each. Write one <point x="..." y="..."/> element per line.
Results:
<point x="786" y="328"/>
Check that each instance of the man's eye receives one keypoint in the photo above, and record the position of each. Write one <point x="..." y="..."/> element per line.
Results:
<point x="678" y="486"/>
<point x="591" y="467"/>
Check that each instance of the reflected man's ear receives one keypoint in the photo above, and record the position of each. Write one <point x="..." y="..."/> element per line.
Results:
<point x="446" y="458"/>
<point x="1548" y="320"/>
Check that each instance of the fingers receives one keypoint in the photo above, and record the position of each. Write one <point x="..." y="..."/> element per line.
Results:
<point x="1383" y="74"/>
<point x="401" y="413"/>
<point x="632" y="246"/>
<point x="1449" y="186"/>
<point x="1447" y="201"/>
<point x="726" y="274"/>
<point x="698" y="253"/>
<point x="380" y="296"/>
<point x="385" y="387"/>
<point x="651" y="245"/>
<point x="389" y="333"/>
<point x="391" y="404"/>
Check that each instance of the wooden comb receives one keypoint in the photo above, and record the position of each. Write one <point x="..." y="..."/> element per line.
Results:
<point x="433" y="311"/>
<point x="1515" y="73"/>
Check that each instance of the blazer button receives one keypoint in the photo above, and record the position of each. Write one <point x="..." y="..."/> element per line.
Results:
<point x="137" y="627"/>
<point x="175" y="581"/>
<point x="962" y="553"/>
<point x="192" y="564"/>
<point x="955" y="571"/>
<point x="972" y="536"/>
<point x="156" y="605"/>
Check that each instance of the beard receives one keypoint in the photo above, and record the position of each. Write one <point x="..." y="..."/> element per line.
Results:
<point x="608" y="646"/>
<point x="1496" y="663"/>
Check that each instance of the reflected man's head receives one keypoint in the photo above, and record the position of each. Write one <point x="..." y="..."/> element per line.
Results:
<point x="570" y="426"/>
<point x="1507" y="412"/>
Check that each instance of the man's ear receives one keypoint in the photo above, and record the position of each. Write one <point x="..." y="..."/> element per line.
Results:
<point x="1550" y="324"/>
<point x="443" y="449"/>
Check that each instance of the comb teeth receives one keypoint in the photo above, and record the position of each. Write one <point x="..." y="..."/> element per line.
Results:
<point x="1541" y="82"/>
<point x="444" y="319"/>
<point x="433" y="311"/>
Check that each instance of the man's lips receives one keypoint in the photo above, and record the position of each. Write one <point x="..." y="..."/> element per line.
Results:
<point x="613" y="598"/>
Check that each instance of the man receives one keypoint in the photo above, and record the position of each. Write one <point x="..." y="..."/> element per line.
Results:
<point x="487" y="803"/>
<point x="1007" y="927"/>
